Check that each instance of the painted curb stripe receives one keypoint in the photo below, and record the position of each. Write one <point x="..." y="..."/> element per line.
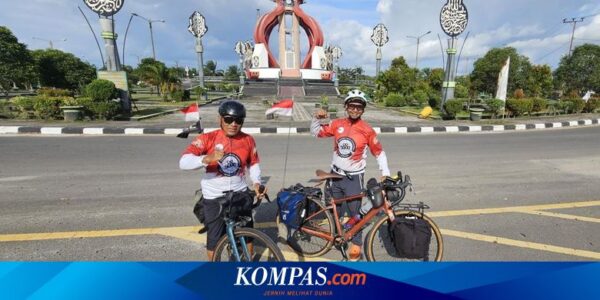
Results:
<point x="290" y="130"/>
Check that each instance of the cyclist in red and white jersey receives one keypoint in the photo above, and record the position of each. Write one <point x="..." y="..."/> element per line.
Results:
<point x="226" y="154"/>
<point x="353" y="137"/>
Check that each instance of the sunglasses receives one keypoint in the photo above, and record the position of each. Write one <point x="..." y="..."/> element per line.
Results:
<point x="355" y="107"/>
<point x="231" y="119"/>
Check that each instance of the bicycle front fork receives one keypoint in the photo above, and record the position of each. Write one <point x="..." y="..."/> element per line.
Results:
<point x="233" y="244"/>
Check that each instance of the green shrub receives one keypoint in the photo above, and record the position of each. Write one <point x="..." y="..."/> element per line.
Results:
<point x="209" y="86"/>
<point x="519" y="107"/>
<point x="344" y="90"/>
<point x="177" y="95"/>
<point x="434" y="100"/>
<point x="577" y="106"/>
<point x="103" y="110"/>
<point x="394" y="100"/>
<point x="24" y="106"/>
<point x="48" y="108"/>
<point x="539" y="104"/>
<point x="453" y="107"/>
<point x="5" y="109"/>
<point x="48" y="92"/>
<point x="592" y="105"/>
<point x="101" y="90"/>
<point x="420" y="97"/>
<point x="495" y="106"/>
<point x="565" y="106"/>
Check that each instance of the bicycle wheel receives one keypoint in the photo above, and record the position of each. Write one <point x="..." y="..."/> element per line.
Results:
<point x="380" y="247"/>
<point x="263" y="248"/>
<point x="318" y="219"/>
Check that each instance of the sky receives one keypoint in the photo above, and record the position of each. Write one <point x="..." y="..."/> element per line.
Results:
<point x="534" y="27"/>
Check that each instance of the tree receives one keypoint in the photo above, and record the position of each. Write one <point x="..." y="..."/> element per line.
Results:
<point x="400" y="78"/>
<point x="156" y="73"/>
<point x="435" y="78"/>
<point x="210" y="68"/>
<point x="350" y="74"/>
<point x="484" y="77"/>
<point x="232" y="73"/>
<point x="581" y="71"/>
<point x="16" y="64"/>
<point x="539" y="81"/>
<point x="62" y="70"/>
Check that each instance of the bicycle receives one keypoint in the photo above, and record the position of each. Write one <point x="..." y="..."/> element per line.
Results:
<point x="235" y="244"/>
<point x="322" y="228"/>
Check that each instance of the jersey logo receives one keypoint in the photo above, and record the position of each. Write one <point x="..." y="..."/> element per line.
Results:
<point x="345" y="147"/>
<point x="340" y="130"/>
<point x="229" y="165"/>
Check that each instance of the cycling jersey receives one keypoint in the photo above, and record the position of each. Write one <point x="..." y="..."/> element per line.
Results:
<point x="228" y="173"/>
<point x="351" y="141"/>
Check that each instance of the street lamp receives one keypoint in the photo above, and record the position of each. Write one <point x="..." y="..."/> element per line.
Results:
<point x="418" y="41"/>
<point x="150" y="21"/>
<point x="50" y="42"/>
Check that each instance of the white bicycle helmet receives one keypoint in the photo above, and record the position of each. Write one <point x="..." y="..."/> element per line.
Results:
<point x="356" y="96"/>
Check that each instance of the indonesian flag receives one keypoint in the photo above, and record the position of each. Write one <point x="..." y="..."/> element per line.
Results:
<point x="192" y="114"/>
<point x="283" y="108"/>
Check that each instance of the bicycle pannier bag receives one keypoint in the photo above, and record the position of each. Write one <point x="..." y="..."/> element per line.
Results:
<point x="292" y="207"/>
<point x="411" y="237"/>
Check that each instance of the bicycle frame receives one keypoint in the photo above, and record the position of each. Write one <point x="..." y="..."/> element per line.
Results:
<point x="229" y="229"/>
<point x="347" y="235"/>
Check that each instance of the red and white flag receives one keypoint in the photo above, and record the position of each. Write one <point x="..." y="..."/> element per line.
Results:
<point x="191" y="112"/>
<point x="283" y="108"/>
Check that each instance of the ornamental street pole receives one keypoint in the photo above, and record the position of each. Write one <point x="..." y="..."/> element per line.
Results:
<point x="197" y="27"/>
<point x="337" y="54"/>
<point x="106" y="10"/>
<point x="240" y="49"/>
<point x="454" y="18"/>
<point x="379" y="38"/>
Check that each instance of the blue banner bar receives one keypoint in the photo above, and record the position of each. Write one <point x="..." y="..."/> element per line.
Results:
<point x="184" y="280"/>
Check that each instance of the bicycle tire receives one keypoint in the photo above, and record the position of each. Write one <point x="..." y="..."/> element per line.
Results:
<point x="259" y="238"/>
<point x="380" y="230"/>
<point x="307" y="245"/>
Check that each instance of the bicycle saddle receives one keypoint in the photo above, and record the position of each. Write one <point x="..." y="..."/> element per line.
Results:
<point x="322" y="175"/>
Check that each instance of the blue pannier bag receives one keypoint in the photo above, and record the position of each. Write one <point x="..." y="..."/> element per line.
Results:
<point x="292" y="207"/>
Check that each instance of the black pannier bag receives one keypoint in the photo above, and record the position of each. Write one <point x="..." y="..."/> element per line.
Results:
<point x="411" y="237"/>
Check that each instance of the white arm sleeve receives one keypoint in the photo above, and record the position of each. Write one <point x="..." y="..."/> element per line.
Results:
<point x="191" y="162"/>
<point x="255" y="173"/>
<point x="383" y="164"/>
<point x="315" y="127"/>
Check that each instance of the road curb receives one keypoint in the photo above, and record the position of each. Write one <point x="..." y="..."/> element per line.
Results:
<point x="136" y="131"/>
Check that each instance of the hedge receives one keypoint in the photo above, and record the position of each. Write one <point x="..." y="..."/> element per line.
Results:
<point x="394" y="100"/>
<point x="454" y="106"/>
<point x="519" y="106"/>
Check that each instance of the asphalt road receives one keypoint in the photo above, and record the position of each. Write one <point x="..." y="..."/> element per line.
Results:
<point x="124" y="198"/>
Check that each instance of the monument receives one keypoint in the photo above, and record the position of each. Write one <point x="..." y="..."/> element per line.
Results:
<point x="261" y="63"/>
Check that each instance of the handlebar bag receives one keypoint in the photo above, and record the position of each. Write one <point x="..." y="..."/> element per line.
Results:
<point x="411" y="237"/>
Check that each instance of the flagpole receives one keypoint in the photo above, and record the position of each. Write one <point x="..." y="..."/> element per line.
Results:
<point x="287" y="145"/>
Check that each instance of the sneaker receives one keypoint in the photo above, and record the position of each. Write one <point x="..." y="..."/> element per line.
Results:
<point x="354" y="253"/>
<point x="203" y="230"/>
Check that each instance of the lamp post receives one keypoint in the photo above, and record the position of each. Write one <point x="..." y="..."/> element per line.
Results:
<point x="150" y="21"/>
<point x="418" y="41"/>
<point x="197" y="27"/>
<point x="50" y="42"/>
<point x="379" y="38"/>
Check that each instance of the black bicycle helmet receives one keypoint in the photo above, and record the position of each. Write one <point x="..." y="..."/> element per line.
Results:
<point x="232" y="108"/>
